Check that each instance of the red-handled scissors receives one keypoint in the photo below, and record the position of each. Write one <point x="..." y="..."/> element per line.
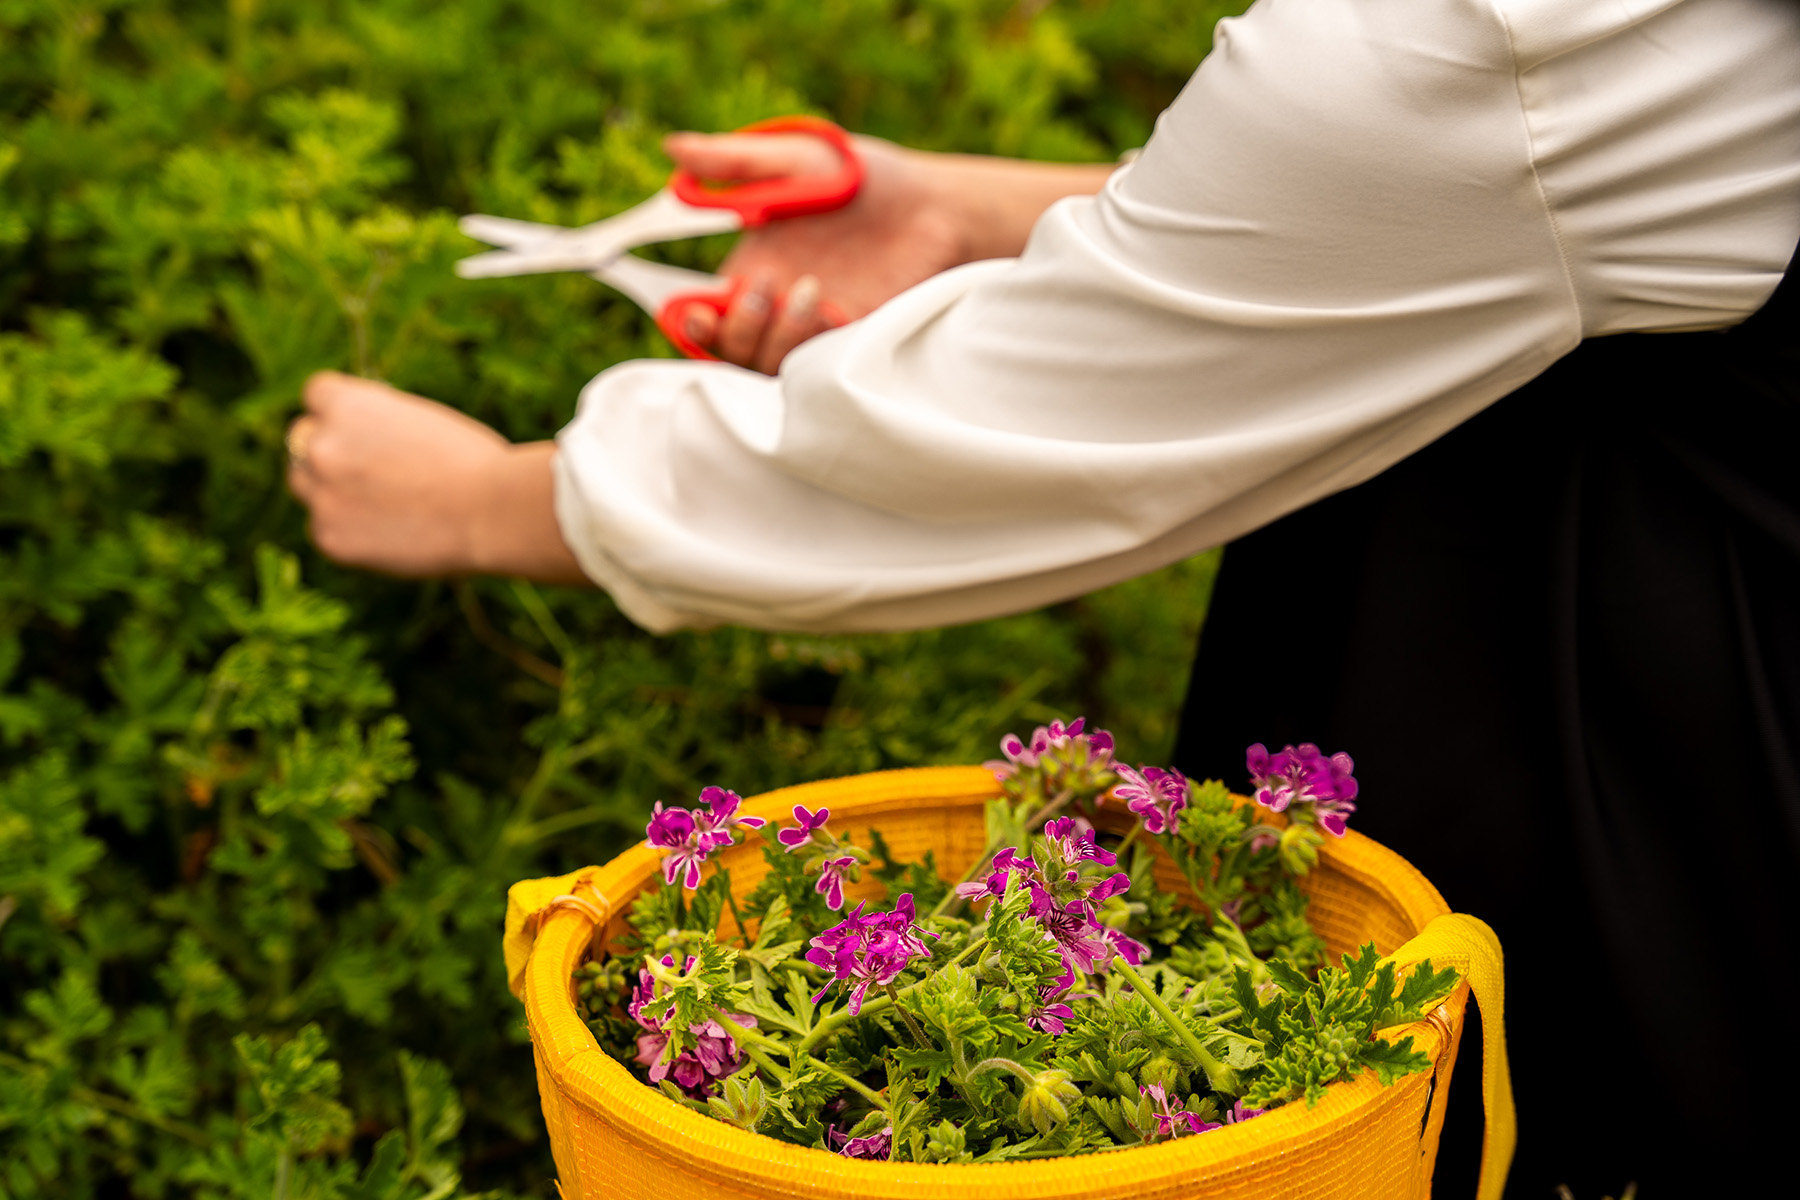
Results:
<point x="684" y="208"/>
<point x="667" y="293"/>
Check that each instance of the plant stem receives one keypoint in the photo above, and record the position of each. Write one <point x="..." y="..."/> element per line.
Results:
<point x="842" y="1017"/>
<point x="738" y="917"/>
<point x="750" y="1037"/>
<point x="918" y="1033"/>
<point x="123" y="1108"/>
<point x="1220" y="1077"/>
<point x="1125" y="846"/>
<point x="951" y="900"/>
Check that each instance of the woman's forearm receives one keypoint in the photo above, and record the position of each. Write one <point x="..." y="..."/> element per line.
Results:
<point x="998" y="200"/>
<point x="513" y="528"/>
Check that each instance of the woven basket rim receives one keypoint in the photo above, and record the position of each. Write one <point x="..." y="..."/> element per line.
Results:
<point x="636" y="1113"/>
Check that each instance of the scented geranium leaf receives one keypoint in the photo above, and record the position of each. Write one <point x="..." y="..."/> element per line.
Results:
<point x="70" y="1013"/>
<point x="1284" y="930"/>
<point x="1291" y="981"/>
<point x="1394" y="1060"/>
<point x="1360" y="970"/>
<point x="44" y="849"/>
<point x="696" y="992"/>
<point x="297" y="1087"/>
<point x="385" y="1178"/>
<point x="706" y="904"/>
<point x="197" y="983"/>
<point x="934" y="1064"/>
<point x="765" y="1007"/>
<point x="434" y="1116"/>
<point x="1423" y="990"/>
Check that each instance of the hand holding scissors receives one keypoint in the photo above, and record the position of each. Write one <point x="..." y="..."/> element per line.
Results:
<point x="684" y="208"/>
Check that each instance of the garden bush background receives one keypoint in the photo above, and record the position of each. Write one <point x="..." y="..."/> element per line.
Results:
<point x="258" y="814"/>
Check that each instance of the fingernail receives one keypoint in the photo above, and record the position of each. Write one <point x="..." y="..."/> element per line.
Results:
<point x="802" y="297"/>
<point x="755" y="299"/>
<point x="696" y="329"/>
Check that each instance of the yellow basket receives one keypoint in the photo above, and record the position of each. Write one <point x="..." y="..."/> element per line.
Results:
<point x="615" y="1137"/>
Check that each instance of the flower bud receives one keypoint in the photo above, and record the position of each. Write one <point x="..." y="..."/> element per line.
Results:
<point x="744" y="1104"/>
<point x="1299" y="848"/>
<point x="1165" y="1071"/>
<point x="1046" y="1101"/>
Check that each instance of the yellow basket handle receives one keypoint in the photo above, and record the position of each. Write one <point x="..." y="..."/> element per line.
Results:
<point x="1466" y="943"/>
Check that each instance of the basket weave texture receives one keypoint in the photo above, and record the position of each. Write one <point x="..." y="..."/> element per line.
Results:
<point x="614" y="1137"/>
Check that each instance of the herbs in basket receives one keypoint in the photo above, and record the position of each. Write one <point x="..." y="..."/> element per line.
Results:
<point x="1054" y="1001"/>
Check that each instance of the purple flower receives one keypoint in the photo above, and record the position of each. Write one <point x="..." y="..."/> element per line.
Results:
<point x="870" y="949"/>
<point x="1155" y="795"/>
<point x="1005" y="863"/>
<point x="831" y="880"/>
<point x="1081" y="939"/>
<point x="674" y="830"/>
<point x="689" y="836"/>
<point x="1115" y="884"/>
<point x="1074" y="841"/>
<point x="717" y="822"/>
<point x="1127" y="948"/>
<point x="1239" y="1114"/>
<point x="714" y="1055"/>
<point x="1051" y="1015"/>
<point x="1169" y="1120"/>
<point x="796" y="836"/>
<point x="1304" y="775"/>
<point x="1055" y="738"/>
<point x="878" y="1145"/>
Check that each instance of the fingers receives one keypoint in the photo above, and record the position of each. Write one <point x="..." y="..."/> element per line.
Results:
<point x="301" y="480"/>
<point x="798" y="319"/>
<point x="739" y="156"/>
<point x="741" y="332"/>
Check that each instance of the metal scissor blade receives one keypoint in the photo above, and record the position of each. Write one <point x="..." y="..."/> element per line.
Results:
<point x="652" y="285"/>
<point x="662" y="218"/>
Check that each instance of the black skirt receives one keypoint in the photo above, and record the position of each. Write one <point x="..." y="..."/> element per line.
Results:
<point x="1563" y="645"/>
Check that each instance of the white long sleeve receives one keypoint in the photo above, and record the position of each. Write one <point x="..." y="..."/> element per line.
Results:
<point x="1361" y="223"/>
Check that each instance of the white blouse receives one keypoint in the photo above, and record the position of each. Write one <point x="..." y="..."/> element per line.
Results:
<point x="1362" y="222"/>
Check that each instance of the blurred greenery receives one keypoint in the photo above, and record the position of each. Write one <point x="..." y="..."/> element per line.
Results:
<point x="258" y="814"/>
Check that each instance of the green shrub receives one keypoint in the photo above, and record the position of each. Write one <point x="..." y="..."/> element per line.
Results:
<point x="258" y="814"/>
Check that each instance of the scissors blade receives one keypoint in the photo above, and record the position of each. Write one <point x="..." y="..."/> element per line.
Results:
<point x="651" y="285"/>
<point x="661" y="218"/>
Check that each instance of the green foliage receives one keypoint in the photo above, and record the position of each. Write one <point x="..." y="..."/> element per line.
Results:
<point x="1317" y="1031"/>
<point x="244" y="794"/>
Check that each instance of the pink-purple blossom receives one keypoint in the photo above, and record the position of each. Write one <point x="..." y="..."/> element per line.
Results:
<point x="689" y="836"/>
<point x="808" y="823"/>
<point x="721" y="816"/>
<point x="1074" y="842"/>
<point x="673" y="830"/>
<point x="714" y="1056"/>
<point x="1054" y="738"/>
<point x="1304" y="775"/>
<point x="1080" y="939"/>
<point x="1005" y="863"/>
<point x="831" y="880"/>
<point x="1239" y="1114"/>
<point x="869" y="949"/>
<point x="1051" y="1015"/>
<point x="1171" y="1121"/>
<point x="878" y="1145"/>
<point x="1156" y="795"/>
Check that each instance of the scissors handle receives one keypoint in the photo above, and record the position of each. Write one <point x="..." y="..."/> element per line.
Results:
<point x="672" y="317"/>
<point x="763" y="200"/>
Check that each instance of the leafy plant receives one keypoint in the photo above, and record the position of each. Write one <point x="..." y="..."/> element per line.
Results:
<point x="244" y="793"/>
<point x="1039" y="1027"/>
